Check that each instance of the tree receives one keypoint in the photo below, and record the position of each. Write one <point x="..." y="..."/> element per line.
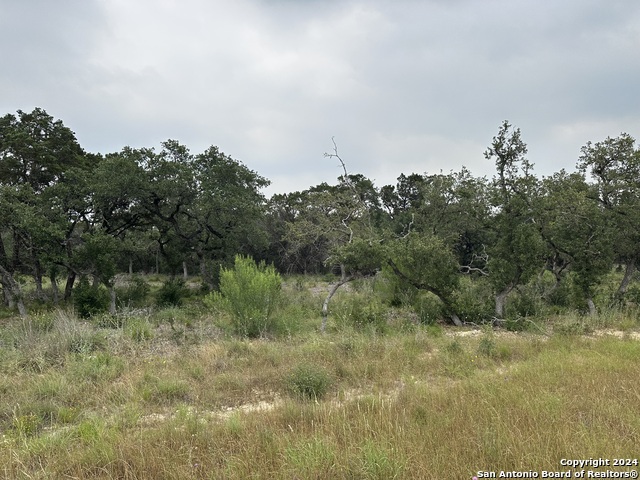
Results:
<point x="426" y="263"/>
<point x="207" y="206"/>
<point x="575" y="231"/>
<point x="614" y="164"/>
<point x="517" y="249"/>
<point x="228" y="210"/>
<point x="453" y="207"/>
<point x="36" y="154"/>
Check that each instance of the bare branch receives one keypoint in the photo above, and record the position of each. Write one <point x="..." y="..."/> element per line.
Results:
<point x="483" y="258"/>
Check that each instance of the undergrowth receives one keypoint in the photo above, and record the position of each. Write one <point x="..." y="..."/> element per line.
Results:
<point x="174" y="392"/>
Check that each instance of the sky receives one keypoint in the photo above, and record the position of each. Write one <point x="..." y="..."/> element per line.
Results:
<point x="403" y="86"/>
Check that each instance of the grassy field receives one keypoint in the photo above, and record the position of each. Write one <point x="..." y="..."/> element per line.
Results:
<point x="171" y="393"/>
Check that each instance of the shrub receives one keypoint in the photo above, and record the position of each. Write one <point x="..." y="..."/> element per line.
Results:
<point x="172" y="293"/>
<point x="428" y="308"/>
<point x="135" y="293"/>
<point x="250" y="294"/>
<point x="89" y="300"/>
<point x="474" y="301"/>
<point x="309" y="382"/>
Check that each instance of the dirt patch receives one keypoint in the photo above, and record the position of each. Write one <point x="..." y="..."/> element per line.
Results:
<point x="616" y="333"/>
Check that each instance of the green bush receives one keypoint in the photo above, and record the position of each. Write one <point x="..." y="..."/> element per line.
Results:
<point x="474" y="301"/>
<point x="428" y="308"/>
<point x="89" y="300"/>
<point x="249" y="293"/>
<point x="309" y="382"/>
<point x="172" y="293"/>
<point x="135" y="293"/>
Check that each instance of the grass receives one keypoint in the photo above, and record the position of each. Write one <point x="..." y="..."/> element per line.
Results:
<point x="172" y="394"/>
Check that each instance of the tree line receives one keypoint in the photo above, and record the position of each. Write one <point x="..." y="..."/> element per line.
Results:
<point x="67" y="214"/>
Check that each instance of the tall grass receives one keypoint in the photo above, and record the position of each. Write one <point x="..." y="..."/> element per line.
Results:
<point x="78" y="400"/>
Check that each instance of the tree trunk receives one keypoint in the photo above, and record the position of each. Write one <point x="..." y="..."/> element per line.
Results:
<point x="68" y="288"/>
<point x="592" y="307"/>
<point x="185" y="273"/>
<point x="22" y="310"/>
<point x="325" y="305"/>
<point x="10" y="286"/>
<point x="626" y="280"/>
<point x="54" y="287"/>
<point x="501" y="300"/>
<point x="112" y="295"/>
<point x="207" y="277"/>
<point x="203" y="266"/>
<point x="37" y="277"/>
<point x="8" y="300"/>
<point x="130" y="267"/>
<point x="455" y="319"/>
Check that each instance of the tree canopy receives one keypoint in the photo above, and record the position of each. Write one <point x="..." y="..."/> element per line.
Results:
<point x="67" y="214"/>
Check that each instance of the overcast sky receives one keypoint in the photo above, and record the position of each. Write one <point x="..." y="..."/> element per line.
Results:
<point x="404" y="86"/>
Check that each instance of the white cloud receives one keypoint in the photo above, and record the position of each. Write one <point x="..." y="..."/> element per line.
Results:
<point x="404" y="86"/>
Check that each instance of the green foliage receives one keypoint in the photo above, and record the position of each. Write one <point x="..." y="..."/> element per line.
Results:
<point x="363" y="312"/>
<point x="474" y="300"/>
<point x="426" y="263"/>
<point x="360" y="256"/>
<point x="172" y="293"/>
<point x="250" y="294"/>
<point x="526" y="302"/>
<point x="89" y="300"/>
<point x="377" y="462"/>
<point x="138" y="329"/>
<point x="487" y="346"/>
<point x="309" y="382"/>
<point x="135" y="293"/>
<point x="633" y="294"/>
<point x="429" y="309"/>
<point x="394" y="290"/>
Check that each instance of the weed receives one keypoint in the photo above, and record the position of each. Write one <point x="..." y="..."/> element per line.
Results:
<point x="377" y="462"/>
<point x="42" y="322"/>
<point x="312" y="459"/>
<point x="363" y="313"/>
<point x="309" y="382"/>
<point x="487" y="347"/>
<point x="454" y="347"/>
<point x="135" y="293"/>
<point x="138" y="329"/>
<point x="26" y="425"/>
<point x="164" y="390"/>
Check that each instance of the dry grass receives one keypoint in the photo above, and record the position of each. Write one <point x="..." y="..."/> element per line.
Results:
<point x="413" y="403"/>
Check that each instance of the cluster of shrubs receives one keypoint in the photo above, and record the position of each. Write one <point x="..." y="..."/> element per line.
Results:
<point x="249" y="295"/>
